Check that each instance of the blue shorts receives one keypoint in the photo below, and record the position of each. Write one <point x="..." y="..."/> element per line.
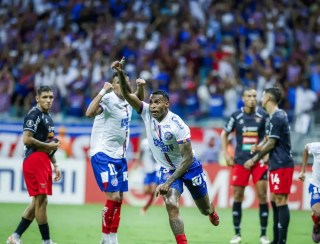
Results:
<point x="151" y="178"/>
<point x="314" y="193"/>
<point x="194" y="179"/>
<point x="108" y="170"/>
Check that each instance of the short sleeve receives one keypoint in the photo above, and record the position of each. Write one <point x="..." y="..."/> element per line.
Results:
<point x="229" y="126"/>
<point x="182" y="131"/>
<point x="31" y="122"/>
<point x="275" y="127"/>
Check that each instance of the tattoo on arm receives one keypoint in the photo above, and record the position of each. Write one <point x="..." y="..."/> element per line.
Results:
<point x="266" y="148"/>
<point x="187" y="158"/>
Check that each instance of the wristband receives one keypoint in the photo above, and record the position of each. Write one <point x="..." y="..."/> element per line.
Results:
<point x="102" y="92"/>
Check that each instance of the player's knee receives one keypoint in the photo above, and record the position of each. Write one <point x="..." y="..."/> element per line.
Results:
<point x="316" y="209"/>
<point x="262" y="196"/>
<point x="172" y="205"/>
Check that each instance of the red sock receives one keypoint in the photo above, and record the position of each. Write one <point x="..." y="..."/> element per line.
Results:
<point x="315" y="220"/>
<point x="116" y="217"/>
<point x="151" y="195"/>
<point x="181" y="239"/>
<point x="107" y="216"/>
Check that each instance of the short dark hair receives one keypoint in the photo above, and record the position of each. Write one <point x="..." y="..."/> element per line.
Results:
<point x="44" y="89"/>
<point x="276" y="95"/>
<point x="247" y="89"/>
<point x="161" y="92"/>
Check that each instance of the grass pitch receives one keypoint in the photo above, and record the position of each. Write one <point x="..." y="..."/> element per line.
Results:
<point x="73" y="224"/>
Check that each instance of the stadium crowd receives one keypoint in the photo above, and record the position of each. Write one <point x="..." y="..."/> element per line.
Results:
<point x="204" y="53"/>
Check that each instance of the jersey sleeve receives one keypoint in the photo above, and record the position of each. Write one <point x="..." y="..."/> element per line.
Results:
<point x="31" y="122"/>
<point x="104" y="103"/>
<point x="275" y="127"/>
<point x="144" y="110"/>
<point x="229" y="126"/>
<point x="182" y="131"/>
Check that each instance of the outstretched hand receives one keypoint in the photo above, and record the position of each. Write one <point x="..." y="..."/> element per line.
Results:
<point x="118" y="65"/>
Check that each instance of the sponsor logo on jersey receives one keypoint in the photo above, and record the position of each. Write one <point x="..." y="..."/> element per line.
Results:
<point x="114" y="182"/>
<point x="250" y="140"/>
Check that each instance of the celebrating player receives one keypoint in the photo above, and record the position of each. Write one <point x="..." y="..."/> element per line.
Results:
<point x="249" y="126"/>
<point x="314" y="186"/>
<point x="37" y="171"/>
<point x="278" y="145"/>
<point x="169" y="140"/>
<point x="109" y="141"/>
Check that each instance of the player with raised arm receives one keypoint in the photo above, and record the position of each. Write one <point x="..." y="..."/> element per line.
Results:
<point x="170" y="142"/>
<point x="249" y="125"/>
<point x="314" y="186"/>
<point x="109" y="141"/>
<point x="38" y="127"/>
<point x="278" y="145"/>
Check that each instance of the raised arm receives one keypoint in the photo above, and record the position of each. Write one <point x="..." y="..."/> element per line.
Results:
<point x="94" y="108"/>
<point x="140" y="89"/>
<point x="131" y="98"/>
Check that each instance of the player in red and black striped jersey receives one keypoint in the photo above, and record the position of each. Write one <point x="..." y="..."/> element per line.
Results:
<point x="248" y="123"/>
<point x="37" y="129"/>
<point x="278" y="145"/>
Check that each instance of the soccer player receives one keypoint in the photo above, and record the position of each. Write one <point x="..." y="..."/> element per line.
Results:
<point x="150" y="169"/>
<point x="109" y="141"/>
<point x="37" y="171"/>
<point x="249" y="126"/>
<point x="278" y="145"/>
<point x="314" y="186"/>
<point x="169" y="140"/>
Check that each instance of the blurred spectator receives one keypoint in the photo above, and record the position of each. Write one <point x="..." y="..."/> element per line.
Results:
<point x="177" y="44"/>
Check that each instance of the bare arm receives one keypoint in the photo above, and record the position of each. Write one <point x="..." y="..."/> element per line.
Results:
<point x="30" y="141"/>
<point x="224" y="144"/>
<point x="187" y="159"/>
<point x="266" y="148"/>
<point x="131" y="98"/>
<point x="94" y="109"/>
<point x="305" y="157"/>
<point x="140" y="89"/>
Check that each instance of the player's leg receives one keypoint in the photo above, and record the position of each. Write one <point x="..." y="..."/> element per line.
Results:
<point x="280" y="181"/>
<point x="106" y="175"/>
<point x="150" y="184"/>
<point x="27" y="218"/>
<point x="260" y="180"/>
<point x="41" y="202"/>
<point x="195" y="181"/>
<point x="239" y="180"/>
<point x="171" y="200"/>
<point x="315" y="206"/>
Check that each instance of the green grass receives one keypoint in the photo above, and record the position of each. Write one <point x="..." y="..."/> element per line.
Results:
<point x="70" y="224"/>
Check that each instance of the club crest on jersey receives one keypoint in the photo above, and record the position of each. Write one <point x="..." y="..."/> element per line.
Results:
<point x="168" y="135"/>
<point x="258" y="119"/>
<point x="114" y="182"/>
<point x="29" y="123"/>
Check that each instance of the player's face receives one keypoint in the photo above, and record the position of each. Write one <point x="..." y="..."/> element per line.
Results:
<point x="159" y="106"/>
<point x="264" y="100"/>
<point x="250" y="98"/>
<point x="116" y="86"/>
<point x="45" y="100"/>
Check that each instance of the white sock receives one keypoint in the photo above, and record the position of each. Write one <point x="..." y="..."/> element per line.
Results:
<point x="106" y="238"/>
<point x="114" y="238"/>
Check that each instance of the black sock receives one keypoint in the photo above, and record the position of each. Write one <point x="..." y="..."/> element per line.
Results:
<point x="44" y="230"/>
<point x="275" y="222"/>
<point x="236" y="214"/>
<point x="284" y="219"/>
<point x="23" y="226"/>
<point x="264" y="213"/>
